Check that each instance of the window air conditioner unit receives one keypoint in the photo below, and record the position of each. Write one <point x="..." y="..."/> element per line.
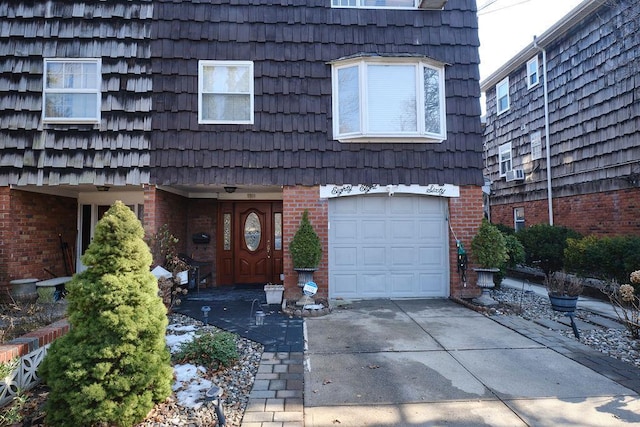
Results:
<point x="515" y="175"/>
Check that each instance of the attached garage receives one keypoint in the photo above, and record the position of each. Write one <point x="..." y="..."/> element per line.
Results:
<point x="388" y="247"/>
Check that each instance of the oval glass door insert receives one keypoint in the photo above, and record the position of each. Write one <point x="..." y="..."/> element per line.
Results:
<point x="252" y="231"/>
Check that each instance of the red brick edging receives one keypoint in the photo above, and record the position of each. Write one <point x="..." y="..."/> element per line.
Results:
<point x="27" y="343"/>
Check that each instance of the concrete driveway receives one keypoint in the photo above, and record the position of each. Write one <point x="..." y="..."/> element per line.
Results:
<point x="434" y="363"/>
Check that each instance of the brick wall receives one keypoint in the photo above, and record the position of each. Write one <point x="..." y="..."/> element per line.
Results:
<point x="465" y="216"/>
<point x="184" y="217"/>
<point x="162" y="207"/>
<point x="295" y="201"/>
<point x="202" y="217"/>
<point x="612" y="213"/>
<point x="5" y="235"/>
<point x="30" y="228"/>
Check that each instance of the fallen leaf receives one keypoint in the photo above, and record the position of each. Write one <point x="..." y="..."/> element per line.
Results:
<point x="373" y="366"/>
<point x="326" y="381"/>
<point x="336" y="422"/>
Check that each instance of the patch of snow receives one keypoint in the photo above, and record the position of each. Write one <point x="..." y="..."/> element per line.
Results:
<point x="181" y="328"/>
<point x="175" y="341"/>
<point x="189" y="386"/>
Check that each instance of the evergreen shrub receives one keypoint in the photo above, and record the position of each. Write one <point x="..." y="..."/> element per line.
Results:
<point x="113" y="365"/>
<point x="305" y="247"/>
<point x="208" y="349"/>
<point x="544" y="246"/>
<point x="608" y="258"/>
<point x="488" y="246"/>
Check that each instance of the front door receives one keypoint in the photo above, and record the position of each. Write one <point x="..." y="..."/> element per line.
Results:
<point x="250" y="243"/>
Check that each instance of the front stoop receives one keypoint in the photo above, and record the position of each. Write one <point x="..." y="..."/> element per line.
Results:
<point x="276" y="399"/>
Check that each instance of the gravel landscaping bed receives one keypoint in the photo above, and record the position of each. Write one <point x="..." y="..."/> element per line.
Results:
<point x="183" y="408"/>
<point x="528" y="305"/>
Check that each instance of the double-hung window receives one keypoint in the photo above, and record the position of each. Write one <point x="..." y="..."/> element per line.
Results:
<point x="518" y="219"/>
<point x="502" y="95"/>
<point x="390" y="4"/>
<point x="532" y="72"/>
<point x="386" y="4"/>
<point x="388" y="100"/>
<point x="71" y="91"/>
<point x="225" y="92"/>
<point x="504" y="158"/>
<point x="536" y="145"/>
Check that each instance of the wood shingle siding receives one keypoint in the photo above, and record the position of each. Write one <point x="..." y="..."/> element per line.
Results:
<point x="290" y="141"/>
<point x="116" y="150"/>
<point x="594" y="113"/>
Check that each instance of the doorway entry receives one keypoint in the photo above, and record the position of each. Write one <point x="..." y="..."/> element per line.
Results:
<point x="249" y="243"/>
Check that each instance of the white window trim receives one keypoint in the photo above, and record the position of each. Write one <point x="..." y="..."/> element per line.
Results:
<point x="536" y="145"/>
<point x="504" y="82"/>
<point x="503" y="149"/>
<point x="529" y="74"/>
<point x="204" y="63"/>
<point x="97" y="91"/>
<point x="515" y="218"/>
<point x="359" y="5"/>
<point x="421" y="135"/>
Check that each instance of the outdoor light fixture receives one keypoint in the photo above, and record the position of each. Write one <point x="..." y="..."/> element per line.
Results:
<point x="205" y="313"/>
<point x="260" y="315"/>
<point x="102" y="187"/>
<point x="230" y="189"/>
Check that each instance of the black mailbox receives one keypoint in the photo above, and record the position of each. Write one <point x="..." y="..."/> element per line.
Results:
<point x="201" y="238"/>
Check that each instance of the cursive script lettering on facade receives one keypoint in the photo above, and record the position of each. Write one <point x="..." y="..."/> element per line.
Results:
<point x="433" y="189"/>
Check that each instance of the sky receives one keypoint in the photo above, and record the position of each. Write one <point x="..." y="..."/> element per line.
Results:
<point x="508" y="26"/>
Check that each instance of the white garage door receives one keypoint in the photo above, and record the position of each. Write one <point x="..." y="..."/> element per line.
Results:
<point x="391" y="247"/>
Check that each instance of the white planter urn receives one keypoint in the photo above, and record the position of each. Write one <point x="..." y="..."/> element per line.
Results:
<point x="273" y="293"/>
<point x="485" y="281"/>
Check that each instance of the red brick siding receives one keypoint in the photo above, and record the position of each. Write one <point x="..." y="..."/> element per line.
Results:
<point x="162" y="207"/>
<point x="465" y="216"/>
<point x="30" y="228"/>
<point x="295" y="201"/>
<point x="613" y="213"/>
<point x="5" y="235"/>
<point x="184" y="217"/>
<point x="202" y="217"/>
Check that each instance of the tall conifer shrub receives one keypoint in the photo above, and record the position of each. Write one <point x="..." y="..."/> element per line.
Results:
<point x="113" y="365"/>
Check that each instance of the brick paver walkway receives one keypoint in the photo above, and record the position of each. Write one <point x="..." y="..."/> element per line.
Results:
<point x="276" y="399"/>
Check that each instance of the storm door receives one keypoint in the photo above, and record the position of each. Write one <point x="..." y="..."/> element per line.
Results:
<point x="250" y="247"/>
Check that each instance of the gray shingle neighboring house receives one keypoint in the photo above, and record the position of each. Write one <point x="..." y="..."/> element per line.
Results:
<point x="589" y="134"/>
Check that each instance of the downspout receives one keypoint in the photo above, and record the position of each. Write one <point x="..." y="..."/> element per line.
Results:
<point x="546" y="128"/>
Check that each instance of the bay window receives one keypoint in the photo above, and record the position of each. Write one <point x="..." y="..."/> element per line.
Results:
<point x="388" y="100"/>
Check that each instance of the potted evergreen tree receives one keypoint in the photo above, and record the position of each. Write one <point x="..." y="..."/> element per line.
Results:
<point x="489" y="249"/>
<point x="306" y="250"/>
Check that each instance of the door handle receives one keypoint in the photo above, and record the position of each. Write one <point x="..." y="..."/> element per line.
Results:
<point x="268" y="248"/>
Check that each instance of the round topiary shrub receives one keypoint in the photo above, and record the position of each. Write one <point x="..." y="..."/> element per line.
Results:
<point x="113" y="365"/>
